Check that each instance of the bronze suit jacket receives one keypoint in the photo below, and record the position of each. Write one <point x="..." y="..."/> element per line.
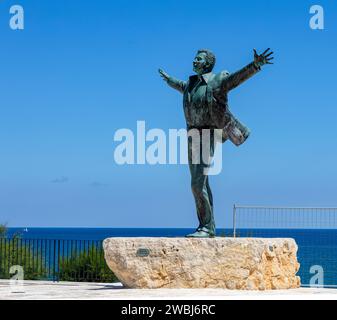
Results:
<point x="216" y="101"/>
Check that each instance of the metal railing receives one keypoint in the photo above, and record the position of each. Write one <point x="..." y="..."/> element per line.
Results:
<point x="55" y="260"/>
<point x="314" y="230"/>
<point x="284" y="217"/>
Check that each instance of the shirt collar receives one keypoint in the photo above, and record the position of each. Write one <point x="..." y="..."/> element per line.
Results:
<point x="205" y="76"/>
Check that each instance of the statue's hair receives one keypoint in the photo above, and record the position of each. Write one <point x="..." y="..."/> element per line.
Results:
<point x="210" y="57"/>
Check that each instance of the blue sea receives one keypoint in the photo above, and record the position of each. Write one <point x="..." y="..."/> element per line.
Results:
<point x="95" y="233"/>
<point x="317" y="247"/>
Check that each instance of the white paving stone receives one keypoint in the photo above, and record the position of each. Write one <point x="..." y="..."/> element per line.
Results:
<point x="42" y="290"/>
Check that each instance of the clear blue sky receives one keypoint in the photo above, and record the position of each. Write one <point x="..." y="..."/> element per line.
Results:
<point x="81" y="69"/>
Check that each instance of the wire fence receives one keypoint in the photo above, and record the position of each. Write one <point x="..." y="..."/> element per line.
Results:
<point x="314" y="230"/>
<point x="55" y="260"/>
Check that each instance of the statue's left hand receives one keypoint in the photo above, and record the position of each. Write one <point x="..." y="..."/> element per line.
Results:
<point x="264" y="58"/>
<point x="163" y="74"/>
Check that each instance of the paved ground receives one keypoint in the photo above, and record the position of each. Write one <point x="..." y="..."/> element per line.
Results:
<point x="68" y="290"/>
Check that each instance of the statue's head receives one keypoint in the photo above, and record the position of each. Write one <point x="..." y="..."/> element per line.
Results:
<point x="204" y="61"/>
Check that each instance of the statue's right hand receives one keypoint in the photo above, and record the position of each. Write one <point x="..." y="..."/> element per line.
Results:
<point x="163" y="74"/>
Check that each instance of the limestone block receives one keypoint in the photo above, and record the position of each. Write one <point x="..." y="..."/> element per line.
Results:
<point x="229" y="263"/>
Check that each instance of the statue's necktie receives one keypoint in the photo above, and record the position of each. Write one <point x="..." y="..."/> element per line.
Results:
<point x="196" y="85"/>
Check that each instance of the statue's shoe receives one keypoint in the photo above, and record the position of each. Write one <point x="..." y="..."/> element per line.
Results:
<point x="200" y="234"/>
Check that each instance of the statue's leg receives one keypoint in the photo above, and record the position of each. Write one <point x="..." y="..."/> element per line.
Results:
<point x="202" y="194"/>
<point x="210" y="195"/>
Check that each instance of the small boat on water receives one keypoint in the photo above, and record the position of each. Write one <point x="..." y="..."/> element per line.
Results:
<point x="25" y="230"/>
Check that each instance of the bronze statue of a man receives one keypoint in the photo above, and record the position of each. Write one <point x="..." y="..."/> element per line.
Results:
<point x="206" y="108"/>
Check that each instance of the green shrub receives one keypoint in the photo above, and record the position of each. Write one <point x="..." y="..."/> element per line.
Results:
<point x="86" y="266"/>
<point x="3" y="231"/>
<point x="18" y="252"/>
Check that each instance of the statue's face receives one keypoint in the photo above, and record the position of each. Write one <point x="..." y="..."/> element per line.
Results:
<point x="200" y="63"/>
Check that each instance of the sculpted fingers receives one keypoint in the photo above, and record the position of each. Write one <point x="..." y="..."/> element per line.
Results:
<point x="265" y="51"/>
<point x="163" y="74"/>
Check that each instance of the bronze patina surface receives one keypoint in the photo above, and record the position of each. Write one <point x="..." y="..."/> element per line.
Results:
<point x="205" y="102"/>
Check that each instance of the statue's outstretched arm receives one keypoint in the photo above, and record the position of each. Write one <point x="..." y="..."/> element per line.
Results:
<point x="236" y="78"/>
<point x="173" y="82"/>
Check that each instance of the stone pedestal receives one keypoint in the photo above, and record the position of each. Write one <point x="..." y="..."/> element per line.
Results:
<point x="229" y="263"/>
